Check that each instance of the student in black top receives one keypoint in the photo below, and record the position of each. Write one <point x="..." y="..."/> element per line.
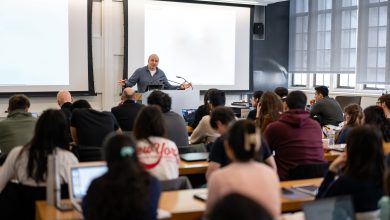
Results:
<point x="255" y="100"/>
<point x="126" y="191"/>
<point x="220" y="119"/>
<point x="127" y="111"/>
<point x="89" y="127"/>
<point x="359" y="171"/>
<point x="202" y="110"/>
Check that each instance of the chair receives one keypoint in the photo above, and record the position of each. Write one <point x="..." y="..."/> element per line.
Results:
<point x="89" y="153"/>
<point x="176" y="184"/>
<point x="346" y="100"/>
<point x="194" y="148"/>
<point x="17" y="201"/>
<point x="307" y="171"/>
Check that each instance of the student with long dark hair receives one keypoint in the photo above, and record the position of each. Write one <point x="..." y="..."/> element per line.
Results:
<point x="245" y="175"/>
<point x="158" y="154"/>
<point x="269" y="110"/>
<point x="28" y="164"/>
<point x="126" y="191"/>
<point x="375" y="116"/>
<point x="353" y="116"/>
<point x="359" y="171"/>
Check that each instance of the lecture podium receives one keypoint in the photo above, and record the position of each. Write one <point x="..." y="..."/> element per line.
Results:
<point x="181" y="99"/>
<point x="181" y="204"/>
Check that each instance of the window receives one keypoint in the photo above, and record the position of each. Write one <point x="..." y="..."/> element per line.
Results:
<point x="346" y="81"/>
<point x="322" y="79"/>
<point x="340" y="43"/>
<point x="299" y="80"/>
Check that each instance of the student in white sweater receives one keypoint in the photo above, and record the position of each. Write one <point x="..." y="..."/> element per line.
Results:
<point x="28" y="164"/>
<point x="244" y="175"/>
<point x="158" y="154"/>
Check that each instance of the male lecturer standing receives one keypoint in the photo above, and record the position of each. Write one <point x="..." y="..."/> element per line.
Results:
<point x="151" y="75"/>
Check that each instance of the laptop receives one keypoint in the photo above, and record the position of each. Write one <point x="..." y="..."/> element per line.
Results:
<point x="330" y="209"/>
<point x="188" y="115"/>
<point x="198" y="156"/>
<point x="81" y="176"/>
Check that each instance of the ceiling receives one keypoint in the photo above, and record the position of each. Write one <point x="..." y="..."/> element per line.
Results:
<point x="247" y="2"/>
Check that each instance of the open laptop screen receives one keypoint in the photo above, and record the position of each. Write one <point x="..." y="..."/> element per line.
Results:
<point x="188" y="115"/>
<point x="82" y="176"/>
<point x="330" y="209"/>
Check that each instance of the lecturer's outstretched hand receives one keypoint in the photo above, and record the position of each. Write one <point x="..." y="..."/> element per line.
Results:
<point x="185" y="85"/>
<point x="122" y="82"/>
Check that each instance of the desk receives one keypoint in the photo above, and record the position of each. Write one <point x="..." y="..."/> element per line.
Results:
<point x="289" y="205"/>
<point x="196" y="167"/>
<point x="181" y="204"/>
<point x="330" y="155"/>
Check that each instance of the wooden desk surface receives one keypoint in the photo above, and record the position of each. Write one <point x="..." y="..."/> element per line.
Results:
<point x="181" y="204"/>
<point x="331" y="155"/>
<point x="289" y="205"/>
<point x="196" y="167"/>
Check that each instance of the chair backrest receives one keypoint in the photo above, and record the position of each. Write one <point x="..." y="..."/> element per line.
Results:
<point x="193" y="148"/>
<point x="176" y="184"/>
<point x="346" y="100"/>
<point x="88" y="153"/>
<point x="306" y="171"/>
<point x="17" y="201"/>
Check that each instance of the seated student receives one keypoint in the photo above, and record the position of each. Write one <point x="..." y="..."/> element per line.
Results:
<point x="158" y="154"/>
<point x="202" y="110"/>
<point x="127" y="111"/>
<point x="203" y="132"/>
<point x="269" y="110"/>
<point x="235" y="206"/>
<point x="359" y="171"/>
<point x="220" y="119"/>
<point x="18" y="128"/>
<point x="384" y="102"/>
<point x="28" y="164"/>
<point x="175" y="126"/>
<point x="324" y="109"/>
<point x="89" y="127"/>
<point x="126" y="191"/>
<point x="375" y="116"/>
<point x="255" y="100"/>
<point x="282" y="92"/>
<point x="244" y="175"/>
<point x="295" y="138"/>
<point x="353" y="116"/>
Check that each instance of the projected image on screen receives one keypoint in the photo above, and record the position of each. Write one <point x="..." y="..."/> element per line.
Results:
<point x="34" y="42"/>
<point x="198" y="40"/>
<point x="44" y="45"/>
<point x="207" y="44"/>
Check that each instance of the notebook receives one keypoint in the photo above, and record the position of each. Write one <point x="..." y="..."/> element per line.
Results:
<point x="81" y="176"/>
<point x="188" y="115"/>
<point x="330" y="209"/>
<point x="199" y="156"/>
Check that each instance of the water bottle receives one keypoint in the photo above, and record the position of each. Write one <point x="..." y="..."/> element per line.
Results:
<point x="331" y="136"/>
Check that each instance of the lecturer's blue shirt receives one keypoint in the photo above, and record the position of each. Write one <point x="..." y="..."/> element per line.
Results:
<point x="142" y="77"/>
